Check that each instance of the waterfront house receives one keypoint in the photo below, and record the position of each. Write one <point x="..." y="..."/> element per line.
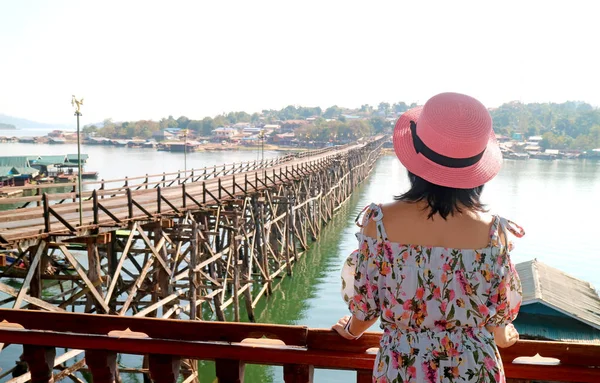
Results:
<point x="285" y="139"/>
<point x="224" y="133"/>
<point x="16" y="170"/>
<point x="557" y="306"/>
<point x="49" y="165"/>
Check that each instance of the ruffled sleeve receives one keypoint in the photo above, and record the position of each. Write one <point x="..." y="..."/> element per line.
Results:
<point x="360" y="279"/>
<point x="506" y="294"/>
<point x="360" y="284"/>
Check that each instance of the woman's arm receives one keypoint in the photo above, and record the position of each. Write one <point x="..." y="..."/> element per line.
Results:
<point x="504" y="336"/>
<point x="355" y="329"/>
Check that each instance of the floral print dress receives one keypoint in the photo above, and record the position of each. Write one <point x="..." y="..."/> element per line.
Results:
<point x="434" y="304"/>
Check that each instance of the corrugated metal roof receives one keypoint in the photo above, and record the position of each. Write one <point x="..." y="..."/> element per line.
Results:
<point x="560" y="291"/>
<point x="73" y="157"/>
<point x="6" y="171"/>
<point x="19" y="161"/>
<point x="50" y="160"/>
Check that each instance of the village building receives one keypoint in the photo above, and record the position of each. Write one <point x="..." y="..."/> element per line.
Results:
<point x="224" y="133"/>
<point x="284" y="139"/>
<point x="16" y="171"/>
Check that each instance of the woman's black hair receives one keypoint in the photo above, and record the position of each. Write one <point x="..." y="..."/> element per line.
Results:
<point x="442" y="200"/>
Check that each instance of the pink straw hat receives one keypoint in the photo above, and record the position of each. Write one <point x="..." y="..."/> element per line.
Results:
<point x="449" y="142"/>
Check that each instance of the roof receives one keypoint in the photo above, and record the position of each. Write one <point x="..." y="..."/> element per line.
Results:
<point x="12" y="171"/>
<point x="17" y="161"/>
<point x="73" y="157"/>
<point x="560" y="291"/>
<point x="49" y="160"/>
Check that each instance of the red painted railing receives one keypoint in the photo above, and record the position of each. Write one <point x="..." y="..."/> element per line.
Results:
<point x="298" y="349"/>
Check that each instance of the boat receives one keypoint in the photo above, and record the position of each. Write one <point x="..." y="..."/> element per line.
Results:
<point x="515" y="156"/>
<point x="543" y="156"/>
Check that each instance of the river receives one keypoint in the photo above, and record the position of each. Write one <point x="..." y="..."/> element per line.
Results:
<point x="556" y="202"/>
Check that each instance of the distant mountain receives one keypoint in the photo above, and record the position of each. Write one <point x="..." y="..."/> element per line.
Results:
<point x="24" y="124"/>
<point x="4" y="126"/>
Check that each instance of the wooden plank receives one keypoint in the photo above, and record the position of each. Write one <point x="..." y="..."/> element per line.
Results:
<point x="33" y="267"/>
<point x="83" y="275"/>
<point x="32" y="300"/>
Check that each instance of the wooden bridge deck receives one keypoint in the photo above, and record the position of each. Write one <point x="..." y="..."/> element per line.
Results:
<point x="150" y="200"/>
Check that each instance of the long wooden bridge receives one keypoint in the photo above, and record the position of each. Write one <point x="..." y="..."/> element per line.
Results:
<point x="196" y="245"/>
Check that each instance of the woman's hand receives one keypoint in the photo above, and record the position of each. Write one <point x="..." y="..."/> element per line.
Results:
<point x="340" y="328"/>
<point x="506" y="336"/>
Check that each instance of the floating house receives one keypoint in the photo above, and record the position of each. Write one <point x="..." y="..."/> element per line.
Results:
<point x="16" y="170"/>
<point x="557" y="306"/>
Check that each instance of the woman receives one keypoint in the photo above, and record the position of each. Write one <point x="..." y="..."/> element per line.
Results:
<point x="432" y="265"/>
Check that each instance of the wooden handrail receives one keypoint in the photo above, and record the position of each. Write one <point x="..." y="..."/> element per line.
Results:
<point x="298" y="348"/>
<point x="175" y="175"/>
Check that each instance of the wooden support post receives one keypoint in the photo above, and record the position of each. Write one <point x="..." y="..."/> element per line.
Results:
<point x="129" y="204"/>
<point x="162" y="276"/>
<point x="298" y="373"/>
<point x="236" y="284"/>
<point x="193" y="274"/>
<point x="229" y="371"/>
<point x="364" y="376"/>
<point x="46" y="205"/>
<point x="40" y="361"/>
<point x="95" y="206"/>
<point x="158" y="200"/>
<point x="288" y="235"/>
<point x="93" y="274"/>
<point x="111" y="255"/>
<point x="164" y="368"/>
<point x="103" y="366"/>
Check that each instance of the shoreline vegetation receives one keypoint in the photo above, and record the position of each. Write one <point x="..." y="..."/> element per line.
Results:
<point x="569" y="127"/>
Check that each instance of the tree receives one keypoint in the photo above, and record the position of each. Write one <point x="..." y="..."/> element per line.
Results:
<point x="366" y="109"/>
<point x="379" y="124"/>
<point x="196" y="126"/>
<point x="182" y="122"/>
<point x="168" y="123"/>
<point x="332" y="112"/>
<point x="399" y="107"/>
<point x="384" y="107"/>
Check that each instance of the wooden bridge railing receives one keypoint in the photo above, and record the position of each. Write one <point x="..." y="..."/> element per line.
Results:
<point x="148" y="201"/>
<point x="150" y="181"/>
<point x="298" y="349"/>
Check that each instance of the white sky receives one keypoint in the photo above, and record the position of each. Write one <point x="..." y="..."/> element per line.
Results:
<point x="135" y="60"/>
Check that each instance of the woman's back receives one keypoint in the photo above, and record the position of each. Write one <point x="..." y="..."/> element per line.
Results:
<point x="435" y="285"/>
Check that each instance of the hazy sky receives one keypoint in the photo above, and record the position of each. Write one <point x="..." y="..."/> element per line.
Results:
<point x="135" y="60"/>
